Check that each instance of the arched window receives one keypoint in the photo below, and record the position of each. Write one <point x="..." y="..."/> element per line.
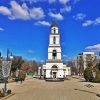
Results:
<point x="54" y="67"/>
<point x="54" y="30"/>
<point x="54" y="40"/>
<point x="54" y="54"/>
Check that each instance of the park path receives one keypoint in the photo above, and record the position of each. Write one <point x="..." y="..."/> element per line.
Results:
<point x="34" y="89"/>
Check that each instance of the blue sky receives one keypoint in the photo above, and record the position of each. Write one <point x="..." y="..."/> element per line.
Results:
<point x="25" y="26"/>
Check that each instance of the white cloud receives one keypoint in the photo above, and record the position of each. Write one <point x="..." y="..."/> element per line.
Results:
<point x="42" y="61"/>
<point x="95" y="48"/>
<point x="66" y="9"/>
<point x="37" y="13"/>
<point x="79" y="16"/>
<point x="97" y="21"/>
<point x="65" y="56"/>
<point x="5" y="10"/>
<point x="24" y="6"/>
<point x="18" y="12"/>
<point x="91" y="22"/>
<point x="57" y="16"/>
<point x="35" y="59"/>
<point x="1" y="29"/>
<point x="87" y="23"/>
<point x="30" y="51"/>
<point x="43" y="23"/>
<point x="64" y="1"/>
<point x="52" y="1"/>
<point x="22" y="12"/>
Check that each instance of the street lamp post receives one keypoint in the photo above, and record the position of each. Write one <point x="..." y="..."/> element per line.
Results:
<point x="8" y="54"/>
<point x="6" y="66"/>
<point x="5" y="86"/>
<point x="5" y="78"/>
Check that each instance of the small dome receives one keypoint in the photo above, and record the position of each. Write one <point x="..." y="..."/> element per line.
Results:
<point x="54" y="25"/>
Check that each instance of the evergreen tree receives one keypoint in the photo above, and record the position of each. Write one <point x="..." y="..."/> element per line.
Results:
<point x="88" y="73"/>
<point x="1" y="76"/>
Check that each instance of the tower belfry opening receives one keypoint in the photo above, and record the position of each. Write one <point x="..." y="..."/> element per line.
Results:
<point x="54" y="54"/>
<point x="54" y="40"/>
<point x="54" y="30"/>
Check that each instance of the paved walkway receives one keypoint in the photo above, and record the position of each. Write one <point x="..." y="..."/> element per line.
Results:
<point x="34" y="89"/>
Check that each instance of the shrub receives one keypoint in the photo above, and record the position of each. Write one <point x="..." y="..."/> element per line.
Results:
<point x="1" y="94"/>
<point x="22" y="75"/>
<point x="9" y="92"/>
<point x="88" y="75"/>
<point x="97" y="78"/>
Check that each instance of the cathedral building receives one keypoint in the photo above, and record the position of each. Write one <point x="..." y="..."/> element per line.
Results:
<point x="54" y="67"/>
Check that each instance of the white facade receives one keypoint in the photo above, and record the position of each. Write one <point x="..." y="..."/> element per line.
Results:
<point x="88" y="56"/>
<point x="83" y="59"/>
<point x="54" y="67"/>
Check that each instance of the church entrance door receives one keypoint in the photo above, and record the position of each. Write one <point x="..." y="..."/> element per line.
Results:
<point x="54" y="71"/>
<point x="54" y="75"/>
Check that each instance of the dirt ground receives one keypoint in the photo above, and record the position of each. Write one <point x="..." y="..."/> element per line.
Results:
<point x="35" y="89"/>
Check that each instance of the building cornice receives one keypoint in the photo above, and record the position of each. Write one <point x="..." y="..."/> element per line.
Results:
<point x="55" y="46"/>
<point x="55" y="34"/>
<point x="54" y="61"/>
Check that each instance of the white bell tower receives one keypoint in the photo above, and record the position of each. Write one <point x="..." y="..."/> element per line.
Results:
<point x="54" y="48"/>
<point x="54" y="67"/>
